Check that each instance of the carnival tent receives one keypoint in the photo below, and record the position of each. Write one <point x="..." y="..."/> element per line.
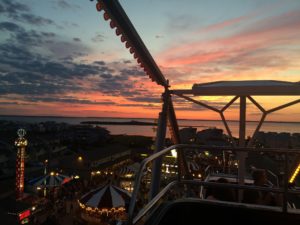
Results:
<point x="50" y="180"/>
<point x="107" y="196"/>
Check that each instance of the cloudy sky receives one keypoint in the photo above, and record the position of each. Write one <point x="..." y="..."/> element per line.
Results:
<point x="59" y="57"/>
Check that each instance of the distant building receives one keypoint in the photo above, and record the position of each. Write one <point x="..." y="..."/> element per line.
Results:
<point x="50" y="126"/>
<point x="277" y="140"/>
<point x="3" y="160"/>
<point x="295" y="140"/>
<point x="212" y="136"/>
<point x="187" y="135"/>
<point x="7" y="158"/>
<point x="86" y="134"/>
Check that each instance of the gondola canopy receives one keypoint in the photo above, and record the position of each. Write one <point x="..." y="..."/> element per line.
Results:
<point x="108" y="196"/>
<point x="104" y="203"/>
<point x="50" y="180"/>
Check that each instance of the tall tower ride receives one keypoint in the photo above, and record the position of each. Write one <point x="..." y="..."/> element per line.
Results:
<point x="21" y="144"/>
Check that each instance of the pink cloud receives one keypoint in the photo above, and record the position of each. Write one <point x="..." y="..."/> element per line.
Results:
<point x="251" y="16"/>
<point x="225" y="24"/>
<point x="266" y="34"/>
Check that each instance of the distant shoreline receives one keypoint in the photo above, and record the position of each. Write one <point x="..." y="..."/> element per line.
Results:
<point x="132" y="122"/>
<point x="78" y="117"/>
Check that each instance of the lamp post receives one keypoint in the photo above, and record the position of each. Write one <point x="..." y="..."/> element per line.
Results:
<point x="45" y="172"/>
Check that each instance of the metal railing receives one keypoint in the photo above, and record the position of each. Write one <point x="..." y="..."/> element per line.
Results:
<point x="283" y="190"/>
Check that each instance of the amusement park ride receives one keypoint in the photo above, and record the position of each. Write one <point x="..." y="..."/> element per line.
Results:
<point x="21" y="144"/>
<point x="242" y="90"/>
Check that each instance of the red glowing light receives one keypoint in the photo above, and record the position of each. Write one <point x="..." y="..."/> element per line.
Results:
<point x="24" y="214"/>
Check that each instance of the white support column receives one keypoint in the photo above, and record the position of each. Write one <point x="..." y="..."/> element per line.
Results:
<point x="159" y="145"/>
<point x="242" y="136"/>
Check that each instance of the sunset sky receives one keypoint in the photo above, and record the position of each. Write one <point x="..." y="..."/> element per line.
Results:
<point x="60" y="58"/>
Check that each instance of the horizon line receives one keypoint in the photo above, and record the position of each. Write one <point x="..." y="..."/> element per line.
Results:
<point x="56" y="116"/>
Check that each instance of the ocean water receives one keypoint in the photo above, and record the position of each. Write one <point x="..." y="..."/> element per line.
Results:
<point x="288" y="127"/>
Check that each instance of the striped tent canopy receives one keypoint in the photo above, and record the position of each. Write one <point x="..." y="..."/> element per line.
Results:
<point x="50" y="180"/>
<point x="125" y="170"/>
<point x="130" y="169"/>
<point x="105" y="197"/>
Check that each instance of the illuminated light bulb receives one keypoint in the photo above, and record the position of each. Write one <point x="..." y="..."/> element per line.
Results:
<point x="127" y="44"/>
<point x="118" y="31"/>
<point x="99" y="6"/>
<point x="112" y="24"/>
<point x="174" y="153"/>
<point x="106" y="16"/>
<point x="294" y="174"/>
<point x="123" y="38"/>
